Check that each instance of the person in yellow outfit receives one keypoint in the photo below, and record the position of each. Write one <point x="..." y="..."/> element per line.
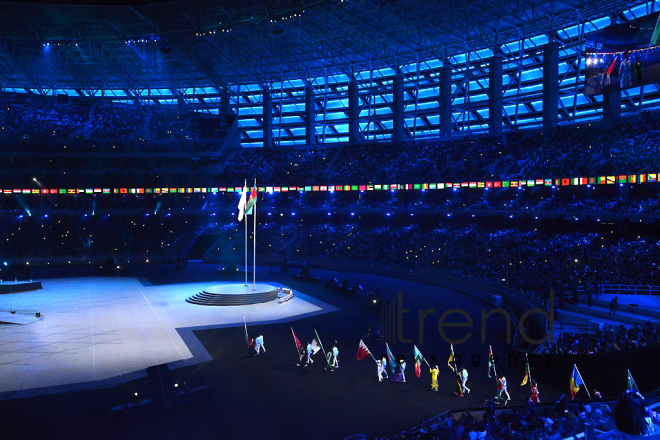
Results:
<point x="434" y="377"/>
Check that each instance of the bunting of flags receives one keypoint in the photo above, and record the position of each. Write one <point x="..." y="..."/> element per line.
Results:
<point x="565" y="181"/>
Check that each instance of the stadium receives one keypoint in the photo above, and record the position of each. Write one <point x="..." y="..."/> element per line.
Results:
<point x="219" y="218"/>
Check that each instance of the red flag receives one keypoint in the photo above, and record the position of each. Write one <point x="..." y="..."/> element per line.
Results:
<point x="301" y="350"/>
<point x="363" y="351"/>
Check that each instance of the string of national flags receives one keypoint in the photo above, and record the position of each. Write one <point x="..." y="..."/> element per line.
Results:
<point x="557" y="182"/>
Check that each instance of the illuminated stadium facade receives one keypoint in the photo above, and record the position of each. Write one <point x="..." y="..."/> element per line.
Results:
<point x="417" y="69"/>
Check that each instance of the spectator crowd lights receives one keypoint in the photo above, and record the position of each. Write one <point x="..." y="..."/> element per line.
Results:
<point x="567" y="181"/>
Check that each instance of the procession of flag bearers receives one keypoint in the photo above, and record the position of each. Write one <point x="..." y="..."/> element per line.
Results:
<point x="247" y="206"/>
<point x="255" y="346"/>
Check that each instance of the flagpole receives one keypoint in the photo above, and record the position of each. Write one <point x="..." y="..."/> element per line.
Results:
<point x="494" y="367"/>
<point x="453" y="356"/>
<point x="246" y="332"/>
<point x="530" y="372"/>
<point x="583" y="383"/>
<point x="296" y="344"/>
<point x="254" y="240"/>
<point x="634" y="383"/>
<point x="369" y="351"/>
<point x="319" y="339"/>
<point x="246" y="236"/>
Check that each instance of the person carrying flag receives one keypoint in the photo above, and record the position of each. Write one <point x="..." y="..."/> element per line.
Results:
<point x="402" y="370"/>
<point x="382" y="369"/>
<point x="504" y="388"/>
<point x="310" y="352"/>
<point x="464" y="377"/>
<point x="328" y="362"/>
<point x="434" y="377"/>
<point x="535" y="393"/>
<point x="251" y="351"/>
<point x="335" y="356"/>
<point x="259" y="344"/>
<point x="500" y="388"/>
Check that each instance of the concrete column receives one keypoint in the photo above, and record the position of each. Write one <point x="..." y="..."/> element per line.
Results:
<point x="310" y="116"/>
<point x="267" y="119"/>
<point x="224" y="102"/>
<point x="397" y="108"/>
<point x="611" y="107"/>
<point x="444" y="101"/>
<point x="495" y="99"/>
<point x="353" y="112"/>
<point x="550" y="86"/>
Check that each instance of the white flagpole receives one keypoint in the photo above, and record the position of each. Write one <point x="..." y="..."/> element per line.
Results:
<point x="254" y="238"/>
<point x="246" y="233"/>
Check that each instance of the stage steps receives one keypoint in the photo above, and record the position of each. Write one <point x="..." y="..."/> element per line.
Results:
<point x="219" y="299"/>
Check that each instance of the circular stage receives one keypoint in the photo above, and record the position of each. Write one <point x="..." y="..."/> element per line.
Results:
<point x="234" y="295"/>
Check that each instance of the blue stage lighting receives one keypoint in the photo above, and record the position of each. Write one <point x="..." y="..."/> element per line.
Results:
<point x="352" y="214"/>
<point x="293" y="214"/>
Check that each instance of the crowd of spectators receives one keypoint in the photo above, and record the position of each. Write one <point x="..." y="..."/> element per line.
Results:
<point x="104" y="235"/>
<point x="626" y="417"/>
<point x="116" y="122"/>
<point x="85" y="124"/>
<point x="26" y="121"/>
<point x="612" y="339"/>
<point x="530" y="261"/>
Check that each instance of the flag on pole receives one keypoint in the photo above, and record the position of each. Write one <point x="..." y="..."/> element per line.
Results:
<point x="363" y="351"/>
<point x="252" y="200"/>
<point x="451" y="359"/>
<point x="301" y="349"/>
<point x="242" y="204"/>
<point x="316" y="343"/>
<point x="247" y="340"/>
<point x="526" y="378"/>
<point x="576" y="381"/>
<point x="390" y="358"/>
<point x="491" y="365"/>
<point x="418" y="362"/>
<point x="632" y="386"/>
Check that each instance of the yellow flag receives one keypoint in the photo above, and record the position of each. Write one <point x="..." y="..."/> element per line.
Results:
<point x="451" y="359"/>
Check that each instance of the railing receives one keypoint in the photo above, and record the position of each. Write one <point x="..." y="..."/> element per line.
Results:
<point x="572" y="327"/>
<point x="621" y="289"/>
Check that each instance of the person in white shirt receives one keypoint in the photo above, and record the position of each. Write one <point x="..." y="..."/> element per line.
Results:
<point x="310" y="351"/>
<point x="259" y="344"/>
<point x="335" y="355"/>
<point x="382" y="364"/>
<point x="464" y="378"/>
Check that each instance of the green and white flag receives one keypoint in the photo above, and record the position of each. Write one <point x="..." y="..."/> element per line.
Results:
<point x="242" y="203"/>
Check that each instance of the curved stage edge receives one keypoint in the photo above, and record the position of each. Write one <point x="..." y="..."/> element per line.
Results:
<point x="224" y="295"/>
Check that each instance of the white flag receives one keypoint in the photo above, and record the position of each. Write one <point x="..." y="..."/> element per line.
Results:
<point x="241" y="204"/>
<point x="315" y="346"/>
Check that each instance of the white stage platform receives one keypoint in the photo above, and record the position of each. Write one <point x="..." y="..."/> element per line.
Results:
<point x="98" y="329"/>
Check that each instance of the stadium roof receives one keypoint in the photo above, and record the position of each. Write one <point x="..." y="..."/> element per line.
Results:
<point x="199" y="43"/>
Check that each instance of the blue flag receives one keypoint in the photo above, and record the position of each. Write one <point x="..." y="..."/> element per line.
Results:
<point x="390" y="358"/>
